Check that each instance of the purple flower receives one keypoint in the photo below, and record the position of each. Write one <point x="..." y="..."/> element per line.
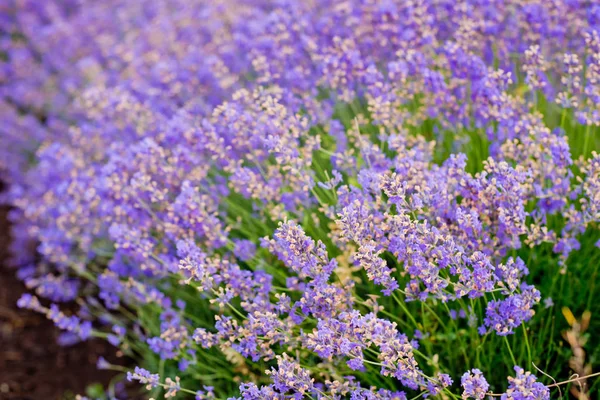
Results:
<point x="144" y="377"/>
<point x="30" y="302"/>
<point x="524" y="386"/>
<point x="290" y="377"/>
<point x="504" y="316"/>
<point x="102" y="363"/>
<point x="474" y="385"/>
<point x="244" y="249"/>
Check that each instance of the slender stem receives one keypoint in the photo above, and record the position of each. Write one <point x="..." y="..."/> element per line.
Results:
<point x="403" y="306"/>
<point x="512" y="356"/>
<point x="579" y="378"/>
<point x="527" y="343"/>
<point x="588" y="134"/>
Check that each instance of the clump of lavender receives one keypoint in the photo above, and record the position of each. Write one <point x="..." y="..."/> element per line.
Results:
<point x="289" y="199"/>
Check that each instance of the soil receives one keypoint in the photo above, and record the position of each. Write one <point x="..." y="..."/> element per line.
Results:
<point x="32" y="365"/>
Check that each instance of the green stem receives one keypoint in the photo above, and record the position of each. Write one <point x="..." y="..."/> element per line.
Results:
<point x="527" y="344"/>
<point x="403" y="307"/>
<point x="512" y="356"/>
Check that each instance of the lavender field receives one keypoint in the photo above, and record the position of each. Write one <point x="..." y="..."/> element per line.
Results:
<point x="310" y="199"/>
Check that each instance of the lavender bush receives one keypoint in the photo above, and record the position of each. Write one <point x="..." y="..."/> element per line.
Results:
<point x="362" y="199"/>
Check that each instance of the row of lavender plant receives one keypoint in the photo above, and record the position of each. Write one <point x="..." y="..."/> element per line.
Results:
<point x="320" y="199"/>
